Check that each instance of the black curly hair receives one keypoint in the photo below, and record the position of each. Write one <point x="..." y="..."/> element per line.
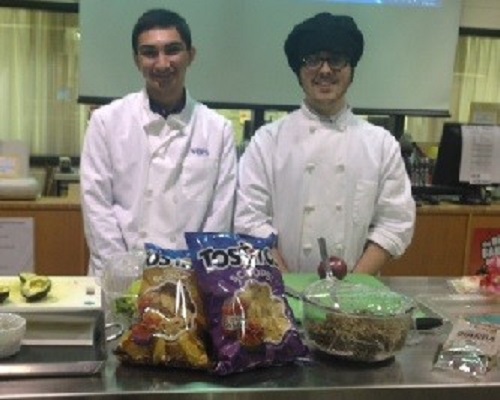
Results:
<point x="324" y="32"/>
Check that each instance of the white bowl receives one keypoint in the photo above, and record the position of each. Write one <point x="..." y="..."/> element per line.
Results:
<point x="12" y="330"/>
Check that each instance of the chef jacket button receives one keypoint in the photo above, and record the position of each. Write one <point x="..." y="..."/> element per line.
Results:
<point x="172" y="239"/>
<point x="338" y="207"/>
<point x="340" y="168"/>
<point x="142" y="234"/>
<point x="307" y="247"/>
<point x="310" y="167"/>
<point x="308" y="208"/>
<point x="149" y="192"/>
<point x="312" y="129"/>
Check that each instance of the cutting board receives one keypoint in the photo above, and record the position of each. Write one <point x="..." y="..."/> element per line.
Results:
<point x="68" y="293"/>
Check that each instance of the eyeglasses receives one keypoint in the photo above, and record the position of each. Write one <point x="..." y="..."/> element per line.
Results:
<point x="316" y="61"/>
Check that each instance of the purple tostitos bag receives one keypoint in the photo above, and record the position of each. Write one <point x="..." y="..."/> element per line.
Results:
<point x="250" y="322"/>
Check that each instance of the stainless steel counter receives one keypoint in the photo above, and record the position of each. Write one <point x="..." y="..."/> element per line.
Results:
<point x="408" y="377"/>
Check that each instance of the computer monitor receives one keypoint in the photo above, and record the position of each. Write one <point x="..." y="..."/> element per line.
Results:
<point x="447" y="168"/>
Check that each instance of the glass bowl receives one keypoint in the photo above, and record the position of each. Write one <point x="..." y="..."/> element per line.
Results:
<point x="12" y="330"/>
<point x="356" y="322"/>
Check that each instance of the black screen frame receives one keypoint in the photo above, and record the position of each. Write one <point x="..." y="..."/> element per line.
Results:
<point x="446" y="171"/>
<point x="447" y="168"/>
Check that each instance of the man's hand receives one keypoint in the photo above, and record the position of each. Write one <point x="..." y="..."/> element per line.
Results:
<point x="373" y="259"/>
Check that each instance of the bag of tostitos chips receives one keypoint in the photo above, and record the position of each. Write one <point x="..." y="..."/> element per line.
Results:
<point x="250" y="322"/>
<point x="171" y="327"/>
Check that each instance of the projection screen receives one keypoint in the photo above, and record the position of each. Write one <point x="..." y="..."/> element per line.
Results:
<point x="407" y="67"/>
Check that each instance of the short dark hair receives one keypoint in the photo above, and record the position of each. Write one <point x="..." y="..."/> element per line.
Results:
<point x="160" y="18"/>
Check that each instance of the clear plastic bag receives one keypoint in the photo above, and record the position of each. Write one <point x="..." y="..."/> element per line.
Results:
<point x="171" y="326"/>
<point x="250" y="322"/>
<point x="471" y="349"/>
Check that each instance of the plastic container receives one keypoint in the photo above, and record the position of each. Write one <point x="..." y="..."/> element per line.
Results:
<point x="356" y="322"/>
<point x="120" y="285"/>
<point x="12" y="330"/>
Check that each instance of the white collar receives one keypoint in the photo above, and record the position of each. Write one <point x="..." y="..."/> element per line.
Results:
<point x="339" y="120"/>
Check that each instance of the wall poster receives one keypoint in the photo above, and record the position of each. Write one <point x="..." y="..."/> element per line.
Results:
<point x="485" y="246"/>
<point x="16" y="246"/>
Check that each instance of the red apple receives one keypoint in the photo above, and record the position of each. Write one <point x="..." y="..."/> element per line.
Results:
<point x="337" y="266"/>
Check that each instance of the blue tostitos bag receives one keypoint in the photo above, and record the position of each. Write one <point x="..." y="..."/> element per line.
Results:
<point x="250" y="322"/>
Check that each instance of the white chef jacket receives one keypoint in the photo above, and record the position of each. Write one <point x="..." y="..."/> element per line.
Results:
<point x="147" y="179"/>
<point x="304" y="177"/>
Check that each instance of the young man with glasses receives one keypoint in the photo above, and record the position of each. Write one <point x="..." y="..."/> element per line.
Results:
<point x="156" y="163"/>
<point x="322" y="171"/>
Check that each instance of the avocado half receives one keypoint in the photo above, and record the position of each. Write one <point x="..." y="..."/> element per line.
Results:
<point x="24" y="276"/>
<point x="34" y="287"/>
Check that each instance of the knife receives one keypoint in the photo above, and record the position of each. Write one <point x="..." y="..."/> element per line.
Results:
<point x="294" y="293"/>
<point x="426" y="323"/>
<point x="323" y="252"/>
